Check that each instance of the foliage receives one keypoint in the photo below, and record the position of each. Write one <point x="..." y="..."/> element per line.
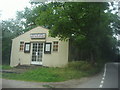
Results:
<point x="6" y="50"/>
<point x="44" y="74"/>
<point x="119" y="43"/>
<point x="90" y="27"/>
<point x="10" y="29"/>
<point x="80" y="65"/>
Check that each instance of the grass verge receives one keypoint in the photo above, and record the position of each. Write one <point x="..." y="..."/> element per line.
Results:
<point x="73" y="70"/>
<point x="4" y="67"/>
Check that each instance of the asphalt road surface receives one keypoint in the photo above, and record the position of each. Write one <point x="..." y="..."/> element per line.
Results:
<point x="20" y="84"/>
<point x="106" y="79"/>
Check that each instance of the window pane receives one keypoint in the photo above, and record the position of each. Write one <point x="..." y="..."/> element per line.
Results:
<point x="55" y="46"/>
<point x="47" y="47"/>
<point x="27" y="47"/>
<point x="21" y="46"/>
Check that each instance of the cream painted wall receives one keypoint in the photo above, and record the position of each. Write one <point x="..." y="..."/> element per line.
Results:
<point x="55" y="59"/>
<point x="14" y="54"/>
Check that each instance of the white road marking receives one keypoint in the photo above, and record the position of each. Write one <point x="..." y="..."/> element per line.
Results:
<point x="104" y="74"/>
<point x="102" y="81"/>
<point x="100" y="86"/>
<point x="115" y="63"/>
<point x="104" y="71"/>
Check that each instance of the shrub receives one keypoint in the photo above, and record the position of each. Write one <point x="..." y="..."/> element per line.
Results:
<point x="79" y="65"/>
<point x="86" y="67"/>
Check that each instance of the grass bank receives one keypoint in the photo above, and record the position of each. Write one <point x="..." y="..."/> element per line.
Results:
<point x="73" y="70"/>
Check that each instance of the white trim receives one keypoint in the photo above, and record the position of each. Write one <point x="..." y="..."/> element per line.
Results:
<point x="36" y="62"/>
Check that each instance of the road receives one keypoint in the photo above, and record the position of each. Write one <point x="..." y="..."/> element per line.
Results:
<point x="106" y="79"/>
<point x="20" y="84"/>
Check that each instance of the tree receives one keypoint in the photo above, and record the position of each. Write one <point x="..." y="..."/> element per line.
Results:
<point x="86" y="24"/>
<point x="27" y="18"/>
<point x="10" y="29"/>
<point x="89" y="26"/>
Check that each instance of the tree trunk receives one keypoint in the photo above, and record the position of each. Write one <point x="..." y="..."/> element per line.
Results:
<point x="92" y="57"/>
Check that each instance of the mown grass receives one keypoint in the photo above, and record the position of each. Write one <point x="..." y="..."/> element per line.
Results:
<point x="73" y="70"/>
<point x="5" y="67"/>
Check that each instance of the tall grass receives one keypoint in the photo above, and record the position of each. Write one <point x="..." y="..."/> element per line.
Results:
<point x="73" y="70"/>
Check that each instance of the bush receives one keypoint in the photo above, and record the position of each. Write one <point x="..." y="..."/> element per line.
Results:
<point x="80" y="65"/>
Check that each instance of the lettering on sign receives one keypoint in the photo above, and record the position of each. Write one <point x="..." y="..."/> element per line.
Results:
<point x="38" y="35"/>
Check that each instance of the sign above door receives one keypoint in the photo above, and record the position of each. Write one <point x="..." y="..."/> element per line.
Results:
<point x="38" y="35"/>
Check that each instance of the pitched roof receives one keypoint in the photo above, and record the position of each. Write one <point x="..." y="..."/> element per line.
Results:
<point x="31" y="30"/>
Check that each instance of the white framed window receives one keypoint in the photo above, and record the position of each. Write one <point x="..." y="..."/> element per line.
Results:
<point x="55" y="45"/>
<point x="27" y="48"/>
<point x="47" y="49"/>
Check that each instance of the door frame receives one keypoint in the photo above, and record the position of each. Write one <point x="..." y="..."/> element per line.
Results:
<point x="36" y="62"/>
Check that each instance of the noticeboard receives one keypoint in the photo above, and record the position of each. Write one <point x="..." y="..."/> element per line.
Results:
<point x="38" y="35"/>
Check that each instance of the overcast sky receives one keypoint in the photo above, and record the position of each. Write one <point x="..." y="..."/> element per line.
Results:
<point x="8" y="8"/>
